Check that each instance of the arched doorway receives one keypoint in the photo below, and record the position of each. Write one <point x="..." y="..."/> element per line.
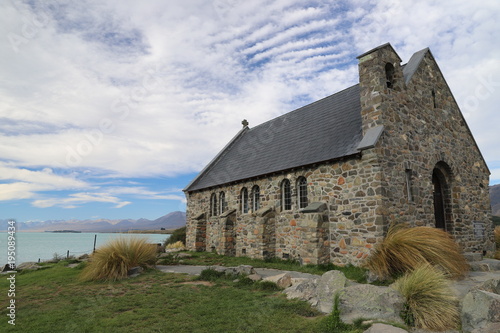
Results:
<point x="441" y="197"/>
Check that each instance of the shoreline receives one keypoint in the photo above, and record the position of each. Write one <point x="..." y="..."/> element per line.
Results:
<point x="146" y="232"/>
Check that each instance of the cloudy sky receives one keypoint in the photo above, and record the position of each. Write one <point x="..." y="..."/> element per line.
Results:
<point x="109" y="108"/>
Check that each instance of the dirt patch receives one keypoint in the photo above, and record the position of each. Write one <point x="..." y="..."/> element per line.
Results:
<point x="198" y="283"/>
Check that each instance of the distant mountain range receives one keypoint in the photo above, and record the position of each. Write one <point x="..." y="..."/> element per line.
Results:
<point x="172" y="220"/>
<point x="495" y="199"/>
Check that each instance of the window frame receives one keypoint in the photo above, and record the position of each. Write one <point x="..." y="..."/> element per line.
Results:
<point x="222" y="202"/>
<point x="302" y="192"/>
<point x="255" y="198"/>
<point x="286" y="195"/>
<point x="213" y="205"/>
<point x="244" y="200"/>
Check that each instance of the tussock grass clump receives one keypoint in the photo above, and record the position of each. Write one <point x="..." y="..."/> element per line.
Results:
<point x="430" y="303"/>
<point x="112" y="261"/>
<point x="404" y="249"/>
<point x="177" y="246"/>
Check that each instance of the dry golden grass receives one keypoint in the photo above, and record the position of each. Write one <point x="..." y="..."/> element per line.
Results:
<point x="404" y="249"/>
<point x="430" y="303"/>
<point x="113" y="260"/>
<point x="176" y="245"/>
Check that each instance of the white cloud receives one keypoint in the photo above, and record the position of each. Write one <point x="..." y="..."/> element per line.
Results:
<point x="76" y="199"/>
<point x="127" y="89"/>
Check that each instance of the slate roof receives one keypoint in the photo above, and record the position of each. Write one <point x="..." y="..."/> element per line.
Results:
<point x="411" y="67"/>
<point x="324" y="130"/>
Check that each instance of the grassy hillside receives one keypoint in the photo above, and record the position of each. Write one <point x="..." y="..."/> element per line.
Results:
<point x="495" y="199"/>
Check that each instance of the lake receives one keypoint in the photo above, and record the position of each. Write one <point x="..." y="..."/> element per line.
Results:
<point x="31" y="246"/>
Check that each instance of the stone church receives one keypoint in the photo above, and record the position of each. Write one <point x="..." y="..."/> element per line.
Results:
<point x="323" y="183"/>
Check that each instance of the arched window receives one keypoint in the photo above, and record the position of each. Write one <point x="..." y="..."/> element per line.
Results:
<point x="222" y="202"/>
<point x="442" y="180"/>
<point x="286" y="195"/>
<point x="255" y="198"/>
<point x="302" y="192"/>
<point x="389" y="75"/>
<point x="213" y="205"/>
<point x="244" y="200"/>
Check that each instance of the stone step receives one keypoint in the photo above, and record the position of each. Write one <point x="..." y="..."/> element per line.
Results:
<point x="485" y="265"/>
<point x="473" y="256"/>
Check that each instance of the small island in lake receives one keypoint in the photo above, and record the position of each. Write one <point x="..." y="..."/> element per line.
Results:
<point x="67" y="231"/>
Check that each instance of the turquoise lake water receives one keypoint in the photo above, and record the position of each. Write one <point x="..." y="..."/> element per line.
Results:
<point x="31" y="246"/>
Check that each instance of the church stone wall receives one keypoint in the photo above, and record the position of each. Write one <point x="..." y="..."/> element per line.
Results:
<point x="425" y="130"/>
<point x="344" y="232"/>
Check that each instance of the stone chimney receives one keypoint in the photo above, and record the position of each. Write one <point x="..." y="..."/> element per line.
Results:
<point x="380" y="78"/>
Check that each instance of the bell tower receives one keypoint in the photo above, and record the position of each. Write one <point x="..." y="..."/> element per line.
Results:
<point x="380" y="78"/>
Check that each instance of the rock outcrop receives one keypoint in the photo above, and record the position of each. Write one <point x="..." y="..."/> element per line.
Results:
<point x="481" y="308"/>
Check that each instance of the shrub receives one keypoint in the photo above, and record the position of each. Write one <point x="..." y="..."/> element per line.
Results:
<point x="176" y="236"/>
<point x="113" y="260"/>
<point x="430" y="303"/>
<point x="404" y="249"/>
<point x="211" y="275"/>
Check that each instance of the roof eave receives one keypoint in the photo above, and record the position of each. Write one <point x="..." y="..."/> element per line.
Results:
<point x="349" y="155"/>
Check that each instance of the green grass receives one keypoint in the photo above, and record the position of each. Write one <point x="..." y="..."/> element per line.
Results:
<point x="208" y="258"/>
<point x="430" y="303"/>
<point x="55" y="300"/>
<point x="333" y="324"/>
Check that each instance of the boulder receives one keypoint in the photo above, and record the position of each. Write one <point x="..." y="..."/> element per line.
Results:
<point x="244" y="269"/>
<point x="255" y="277"/>
<point x="370" y="302"/>
<point x="304" y="290"/>
<point x="383" y="328"/>
<point x="8" y="268"/>
<point x="220" y="269"/>
<point x="28" y="265"/>
<point x="328" y="285"/>
<point x="84" y="256"/>
<point x="481" y="312"/>
<point x="135" y="271"/>
<point x="492" y="286"/>
<point x="282" y="280"/>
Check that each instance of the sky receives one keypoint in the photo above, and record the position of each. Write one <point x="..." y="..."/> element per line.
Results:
<point x="108" y="109"/>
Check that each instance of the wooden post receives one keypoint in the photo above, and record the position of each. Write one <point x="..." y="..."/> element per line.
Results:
<point x="95" y="238"/>
<point x="67" y="255"/>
